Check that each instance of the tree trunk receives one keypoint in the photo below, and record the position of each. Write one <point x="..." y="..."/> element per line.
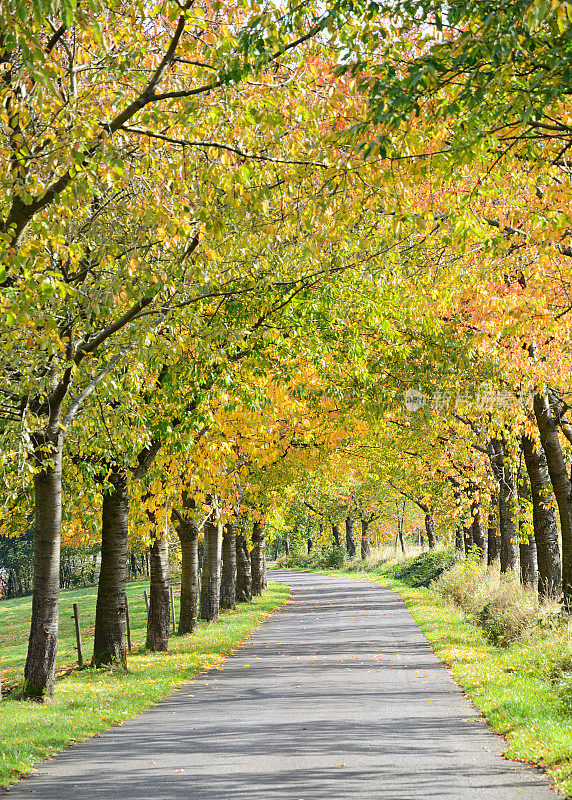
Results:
<point x="528" y="558"/>
<point x="159" y="617"/>
<point x="189" y="537"/>
<point x="477" y="533"/>
<point x="110" y="646"/>
<point x="336" y="535"/>
<point x="493" y="538"/>
<point x="228" y="579"/>
<point x="401" y="525"/>
<point x="430" y="529"/>
<point x="243" y="571"/>
<point x="258" y="559"/>
<point x="508" y="525"/>
<point x="467" y="537"/>
<point x="459" y="542"/>
<point x="365" y="543"/>
<point x="350" y="539"/>
<point x="508" y="506"/>
<point x="40" y="669"/>
<point x="543" y="520"/>
<point x="526" y="543"/>
<point x="286" y="547"/>
<point x="210" y="584"/>
<point x="562" y="488"/>
<point x="309" y="544"/>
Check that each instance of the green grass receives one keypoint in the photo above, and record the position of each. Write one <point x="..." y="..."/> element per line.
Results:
<point x="511" y="685"/>
<point x="89" y="701"/>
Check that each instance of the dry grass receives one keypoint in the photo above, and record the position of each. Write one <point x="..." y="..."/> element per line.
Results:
<point x="498" y="603"/>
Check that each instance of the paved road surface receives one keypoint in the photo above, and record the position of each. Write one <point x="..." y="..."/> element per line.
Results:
<point x="336" y="697"/>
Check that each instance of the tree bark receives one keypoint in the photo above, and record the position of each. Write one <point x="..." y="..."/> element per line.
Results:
<point x="508" y="505"/>
<point x="210" y="583"/>
<point x="228" y="578"/>
<point x="543" y="520"/>
<point x="309" y="544"/>
<point x="286" y="547"/>
<point x="189" y="537"/>
<point x="365" y="542"/>
<point x="258" y="557"/>
<point x="40" y="669"/>
<point x="562" y="488"/>
<point x="459" y="542"/>
<point x="477" y="533"/>
<point x="493" y="538"/>
<point x="336" y="535"/>
<point x="110" y="645"/>
<point x="467" y="537"/>
<point x="159" y="617"/>
<point x="430" y="529"/>
<point x="243" y="571"/>
<point x="350" y="539"/>
<point x="527" y="545"/>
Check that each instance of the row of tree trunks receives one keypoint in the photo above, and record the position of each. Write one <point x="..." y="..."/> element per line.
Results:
<point x="538" y="550"/>
<point x="110" y="645"/>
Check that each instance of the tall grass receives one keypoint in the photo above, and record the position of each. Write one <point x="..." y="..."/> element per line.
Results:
<point x="498" y="603"/>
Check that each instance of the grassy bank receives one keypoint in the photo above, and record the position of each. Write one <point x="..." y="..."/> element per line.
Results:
<point x="88" y="701"/>
<point x="524" y="688"/>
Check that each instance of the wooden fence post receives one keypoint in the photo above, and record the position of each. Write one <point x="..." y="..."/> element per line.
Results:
<point x="77" y="635"/>
<point x="127" y="623"/>
<point x="172" y="607"/>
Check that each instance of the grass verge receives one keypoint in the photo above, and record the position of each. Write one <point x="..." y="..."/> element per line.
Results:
<point x="510" y="685"/>
<point x="87" y="701"/>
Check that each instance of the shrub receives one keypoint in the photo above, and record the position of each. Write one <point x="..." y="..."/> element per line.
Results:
<point x="423" y="569"/>
<point x="327" y="557"/>
<point x="334" y="556"/>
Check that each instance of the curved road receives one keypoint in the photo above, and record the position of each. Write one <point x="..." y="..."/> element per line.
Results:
<point x="337" y="696"/>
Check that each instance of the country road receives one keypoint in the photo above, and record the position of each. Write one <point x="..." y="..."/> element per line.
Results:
<point x="337" y="696"/>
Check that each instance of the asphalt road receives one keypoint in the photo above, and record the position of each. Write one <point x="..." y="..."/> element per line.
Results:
<point x="336" y="697"/>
